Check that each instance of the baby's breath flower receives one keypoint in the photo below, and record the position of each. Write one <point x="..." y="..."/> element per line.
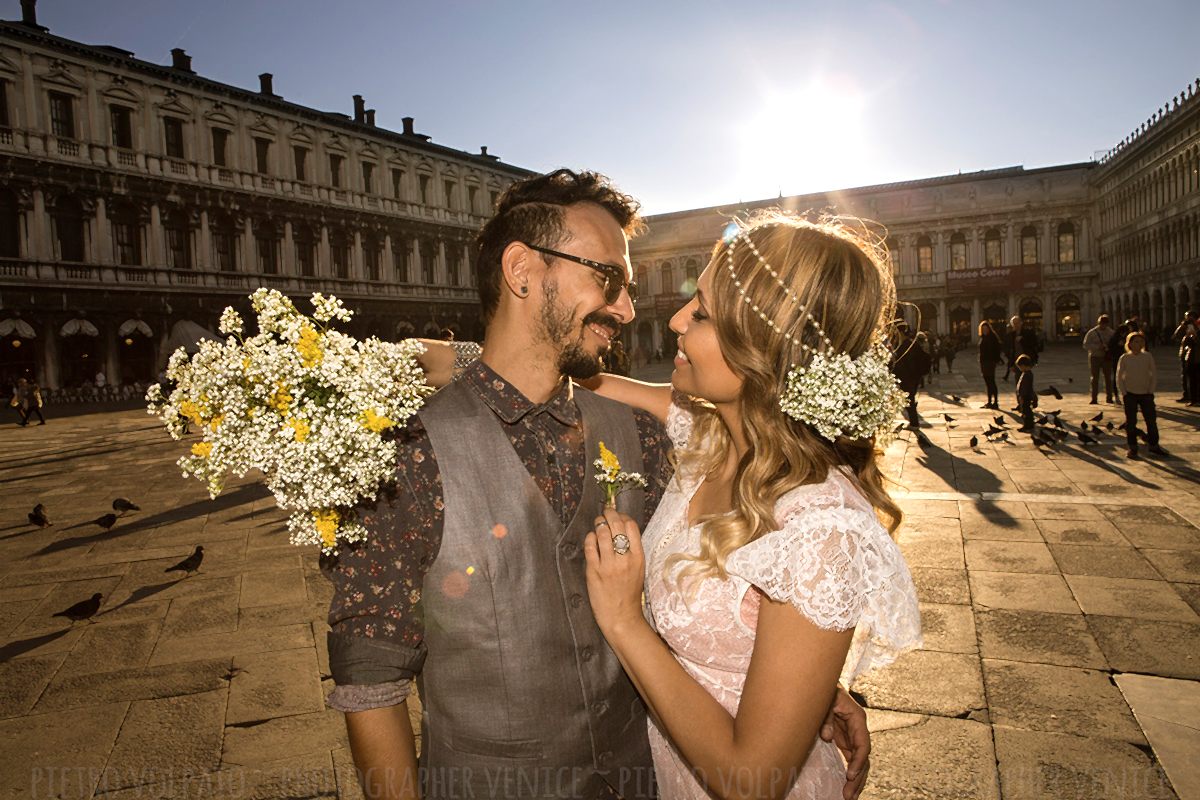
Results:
<point x="842" y="396"/>
<point x="305" y="405"/>
<point x="231" y="321"/>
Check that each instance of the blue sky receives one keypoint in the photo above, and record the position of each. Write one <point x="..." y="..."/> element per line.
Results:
<point x="697" y="103"/>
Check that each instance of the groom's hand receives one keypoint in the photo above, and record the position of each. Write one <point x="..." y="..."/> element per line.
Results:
<point x="846" y="726"/>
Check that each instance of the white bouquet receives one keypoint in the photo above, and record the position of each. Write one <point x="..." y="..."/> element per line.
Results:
<point x="304" y="404"/>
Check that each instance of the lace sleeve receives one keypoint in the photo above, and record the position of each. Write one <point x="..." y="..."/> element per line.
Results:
<point x="679" y="420"/>
<point x="841" y="570"/>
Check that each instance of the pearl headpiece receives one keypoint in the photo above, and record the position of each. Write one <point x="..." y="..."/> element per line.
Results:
<point x="835" y="394"/>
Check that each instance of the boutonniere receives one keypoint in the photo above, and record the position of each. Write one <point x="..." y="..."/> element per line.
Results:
<point x="610" y="477"/>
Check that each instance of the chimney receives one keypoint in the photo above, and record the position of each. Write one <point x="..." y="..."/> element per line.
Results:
<point x="483" y="150"/>
<point x="371" y="117"/>
<point x="408" y="126"/>
<point x="359" y="108"/>
<point x="180" y="60"/>
<point x="29" y="13"/>
<point x="264" y="84"/>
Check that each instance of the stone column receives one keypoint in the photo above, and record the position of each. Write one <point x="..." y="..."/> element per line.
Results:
<point x="416" y="268"/>
<point x="387" y="264"/>
<point x="288" y="261"/>
<point x="324" y="261"/>
<point x="102" y="248"/>
<point x="110" y="353"/>
<point x="976" y="317"/>
<point x="158" y="242"/>
<point x="48" y="364"/>
<point x="204" y="256"/>
<point x="250" y="248"/>
<point x="1049" y="317"/>
<point x="40" y="246"/>
<point x="943" y="326"/>
<point x="441" y="269"/>
<point x="358" y="269"/>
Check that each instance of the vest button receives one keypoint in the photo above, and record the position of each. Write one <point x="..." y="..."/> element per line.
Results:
<point x="600" y="707"/>
<point x="586" y="653"/>
<point x="605" y="758"/>
<point x="569" y="549"/>
<point x="576" y="600"/>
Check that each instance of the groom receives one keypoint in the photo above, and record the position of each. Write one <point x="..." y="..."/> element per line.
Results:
<point x="472" y="580"/>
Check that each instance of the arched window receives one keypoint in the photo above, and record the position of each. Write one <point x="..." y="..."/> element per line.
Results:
<point x="68" y="228"/>
<point x="666" y="281"/>
<point x="1066" y="243"/>
<point x="642" y="276"/>
<point x="924" y="254"/>
<point x="929" y="317"/>
<point x="958" y="251"/>
<point x="10" y="225"/>
<point x="991" y="249"/>
<point x="1029" y="245"/>
<point x="960" y="322"/>
<point x="1066" y="316"/>
<point x="1031" y="313"/>
<point x="306" y="250"/>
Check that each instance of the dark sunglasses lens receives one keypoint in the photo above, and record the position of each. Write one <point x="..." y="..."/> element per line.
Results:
<point x="633" y="291"/>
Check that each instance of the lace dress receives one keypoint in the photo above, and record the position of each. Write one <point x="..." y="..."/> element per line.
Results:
<point x="832" y="560"/>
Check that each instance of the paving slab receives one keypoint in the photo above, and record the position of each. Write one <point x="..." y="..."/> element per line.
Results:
<point x="1038" y="637"/>
<point x="1130" y="597"/>
<point x="142" y="683"/>
<point x="275" y="684"/>
<point x="1167" y="710"/>
<point x="1102" y="561"/>
<point x="1072" y="700"/>
<point x="1181" y="566"/>
<point x="988" y="528"/>
<point x="958" y="690"/>
<point x="58" y="755"/>
<point x="1014" y="590"/>
<point x="316" y="732"/>
<point x="1083" y="531"/>
<point x="930" y="757"/>
<point x="1170" y="649"/>
<point x="948" y="628"/>
<point x="936" y="585"/>
<point x="1027" y="557"/>
<point x="1037" y="765"/>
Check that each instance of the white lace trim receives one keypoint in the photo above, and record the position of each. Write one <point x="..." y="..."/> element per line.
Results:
<point x="679" y="420"/>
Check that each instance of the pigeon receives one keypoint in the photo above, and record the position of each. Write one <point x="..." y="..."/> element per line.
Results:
<point x="1083" y="437"/>
<point x="1109" y="425"/>
<point x="1040" y="440"/>
<point x="38" y="516"/>
<point x="992" y="431"/>
<point x="1070" y="380"/>
<point x="84" y="609"/>
<point x="899" y="428"/>
<point x="948" y="418"/>
<point x="1098" y="417"/>
<point x="956" y="399"/>
<point x="974" y="442"/>
<point x="1051" y="391"/>
<point x="1083" y="426"/>
<point x="1054" y="413"/>
<point x="123" y="505"/>
<point x="189" y="564"/>
<point x="1000" y="421"/>
<point x="1003" y="437"/>
<point x="1058" y="423"/>
<point x="106" y="522"/>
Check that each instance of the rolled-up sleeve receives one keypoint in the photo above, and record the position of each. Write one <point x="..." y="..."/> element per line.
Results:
<point x="376" y="626"/>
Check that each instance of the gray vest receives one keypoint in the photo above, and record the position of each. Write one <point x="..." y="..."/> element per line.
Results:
<point x="522" y="696"/>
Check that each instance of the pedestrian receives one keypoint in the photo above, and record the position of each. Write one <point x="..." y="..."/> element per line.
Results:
<point x="1012" y="347"/>
<point x="935" y="354"/>
<point x="1098" y="343"/>
<point x="909" y="364"/>
<point x="991" y="352"/>
<point x="1189" y="351"/>
<point x="949" y="348"/>
<point x="516" y="680"/>
<point x="1131" y="324"/>
<point x="1135" y="383"/>
<point x="27" y="399"/>
<point x="1189" y="319"/>
<point x="1026" y="394"/>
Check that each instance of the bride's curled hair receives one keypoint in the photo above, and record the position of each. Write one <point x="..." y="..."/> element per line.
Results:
<point x="838" y="269"/>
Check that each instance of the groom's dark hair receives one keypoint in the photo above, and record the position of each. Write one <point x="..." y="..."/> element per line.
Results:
<point x="531" y="211"/>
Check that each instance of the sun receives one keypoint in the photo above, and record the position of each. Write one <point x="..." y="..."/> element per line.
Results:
<point x="809" y="137"/>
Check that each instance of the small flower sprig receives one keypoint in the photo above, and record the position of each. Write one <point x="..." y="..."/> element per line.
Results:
<point x="610" y="477"/>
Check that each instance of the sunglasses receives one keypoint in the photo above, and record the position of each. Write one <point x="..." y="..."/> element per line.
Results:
<point x="614" y="276"/>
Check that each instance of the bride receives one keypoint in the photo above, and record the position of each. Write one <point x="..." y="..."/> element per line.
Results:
<point x="766" y="571"/>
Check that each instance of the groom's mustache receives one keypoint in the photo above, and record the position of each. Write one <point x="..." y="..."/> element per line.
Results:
<point x="604" y="320"/>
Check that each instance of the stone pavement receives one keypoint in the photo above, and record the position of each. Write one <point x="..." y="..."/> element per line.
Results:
<point x="1059" y="590"/>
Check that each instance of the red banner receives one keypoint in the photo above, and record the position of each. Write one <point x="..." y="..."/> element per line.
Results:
<point x="1017" y="278"/>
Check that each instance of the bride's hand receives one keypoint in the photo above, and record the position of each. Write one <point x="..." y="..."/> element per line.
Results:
<point x="614" y="579"/>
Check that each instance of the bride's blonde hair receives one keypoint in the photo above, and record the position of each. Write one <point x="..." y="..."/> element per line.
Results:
<point x="838" y="269"/>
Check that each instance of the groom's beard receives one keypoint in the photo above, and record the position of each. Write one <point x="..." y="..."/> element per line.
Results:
<point x="557" y="326"/>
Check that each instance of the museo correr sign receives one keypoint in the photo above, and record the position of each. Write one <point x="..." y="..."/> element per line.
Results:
<point x="1019" y="277"/>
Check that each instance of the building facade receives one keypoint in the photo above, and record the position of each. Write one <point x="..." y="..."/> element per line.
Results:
<point x="1056" y="246"/>
<point x="138" y="200"/>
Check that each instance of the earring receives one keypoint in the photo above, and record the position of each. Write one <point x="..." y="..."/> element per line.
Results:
<point x="524" y="290"/>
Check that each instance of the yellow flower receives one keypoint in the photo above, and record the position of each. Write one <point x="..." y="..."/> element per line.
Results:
<point x="216" y="422"/>
<point x="246" y="363"/>
<point x="608" y="460"/>
<point x="281" y="400"/>
<point x="202" y="449"/>
<point x="326" y="523"/>
<point x="300" y="427"/>
<point x="190" y="410"/>
<point x="309" y="346"/>
<point x="375" y="423"/>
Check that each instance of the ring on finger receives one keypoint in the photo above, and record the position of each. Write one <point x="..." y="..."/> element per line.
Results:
<point x="620" y="544"/>
<point x="603" y="522"/>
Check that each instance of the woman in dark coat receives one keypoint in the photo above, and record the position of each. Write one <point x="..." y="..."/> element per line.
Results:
<point x="991" y="351"/>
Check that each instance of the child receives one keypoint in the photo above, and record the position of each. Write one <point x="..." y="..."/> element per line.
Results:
<point x="1135" y="383"/>
<point x="1026" y="396"/>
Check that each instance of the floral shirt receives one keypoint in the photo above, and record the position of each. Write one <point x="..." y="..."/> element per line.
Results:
<point x="377" y="629"/>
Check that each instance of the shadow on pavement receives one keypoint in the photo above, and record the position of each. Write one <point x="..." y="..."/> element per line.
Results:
<point x="14" y="649"/>
<point x="977" y="478"/>
<point x="141" y="594"/>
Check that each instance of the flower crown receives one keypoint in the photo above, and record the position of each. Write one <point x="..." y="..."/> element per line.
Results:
<point x="835" y="394"/>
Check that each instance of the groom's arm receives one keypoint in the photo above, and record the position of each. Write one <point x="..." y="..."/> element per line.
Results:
<point x="385" y="752"/>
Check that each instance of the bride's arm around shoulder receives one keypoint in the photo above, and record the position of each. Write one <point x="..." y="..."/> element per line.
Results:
<point x="654" y="398"/>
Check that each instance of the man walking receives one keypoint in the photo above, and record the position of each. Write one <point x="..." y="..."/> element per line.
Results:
<point x="1098" y="344"/>
<point x="472" y="580"/>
